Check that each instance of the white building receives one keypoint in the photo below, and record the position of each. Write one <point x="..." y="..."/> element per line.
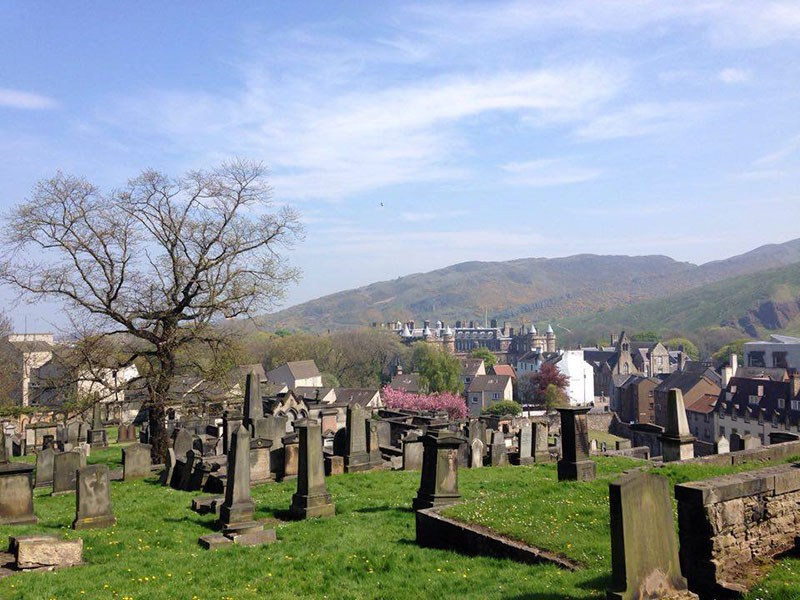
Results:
<point x="580" y="375"/>
<point x="300" y="373"/>
<point x="781" y="351"/>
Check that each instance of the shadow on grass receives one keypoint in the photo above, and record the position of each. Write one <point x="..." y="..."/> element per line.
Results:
<point x="377" y="509"/>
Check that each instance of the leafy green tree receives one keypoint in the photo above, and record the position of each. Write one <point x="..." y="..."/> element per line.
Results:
<point x="489" y="359"/>
<point x="645" y="336"/>
<point x="503" y="407"/>
<point x="532" y="388"/>
<point x="438" y="370"/>
<point x="721" y="356"/>
<point x="554" y="397"/>
<point x="688" y="346"/>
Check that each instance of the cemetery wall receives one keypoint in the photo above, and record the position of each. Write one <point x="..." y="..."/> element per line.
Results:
<point x="729" y="524"/>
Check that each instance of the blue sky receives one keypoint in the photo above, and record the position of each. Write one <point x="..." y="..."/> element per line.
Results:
<point x="411" y="136"/>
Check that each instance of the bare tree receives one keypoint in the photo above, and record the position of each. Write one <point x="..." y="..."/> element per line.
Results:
<point x="161" y="259"/>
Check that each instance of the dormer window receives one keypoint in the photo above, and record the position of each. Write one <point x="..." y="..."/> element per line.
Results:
<point x="781" y="403"/>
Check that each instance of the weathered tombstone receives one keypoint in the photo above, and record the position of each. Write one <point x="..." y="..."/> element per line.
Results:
<point x="439" y="479"/>
<point x="736" y="442"/>
<point x="751" y="442"/>
<point x="93" y="501"/>
<point x="189" y="464"/>
<point x="61" y="433"/>
<point x="231" y="419"/>
<point x="373" y="444"/>
<point x="476" y="453"/>
<point x="169" y="468"/>
<point x="260" y="467"/>
<point x="84" y="448"/>
<point x="677" y="443"/>
<point x="723" y="445"/>
<point x="65" y="465"/>
<point x="623" y="445"/>
<point x="525" y="444"/>
<point x="498" y="455"/>
<point x="592" y="445"/>
<point x="291" y="455"/>
<point x="236" y="513"/>
<point x="541" y="451"/>
<point x="74" y="433"/>
<point x="644" y="550"/>
<point x="136" y="461"/>
<point x="604" y="447"/>
<point x="575" y="464"/>
<point x="356" y="457"/>
<point x="83" y="431"/>
<point x="312" y="498"/>
<point x="98" y="436"/>
<point x="126" y="433"/>
<point x="253" y="406"/>
<point x="334" y="465"/>
<point x="184" y="442"/>
<point x="412" y="452"/>
<point x="44" y="467"/>
<point x="16" y="489"/>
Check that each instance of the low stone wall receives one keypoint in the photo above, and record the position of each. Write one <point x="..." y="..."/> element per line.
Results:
<point x="729" y="524"/>
<point x="436" y="531"/>
<point x="765" y="455"/>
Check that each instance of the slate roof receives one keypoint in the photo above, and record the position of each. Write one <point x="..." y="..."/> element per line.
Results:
<point x="308" y="392"/>
<point x="775" y="374"/>
<point x="742" y="391"/>
<point x="470" y="366"/>
<point x="489" y="383"/>
<point x="705" y="404"/>
<point x="303" y="369"/>
<point x="408" y="382"/>
<point x="348" y="396"/>
<point x="684" y="381"/>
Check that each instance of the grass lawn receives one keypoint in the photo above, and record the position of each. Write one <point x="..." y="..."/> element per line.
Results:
<point x="604" y="436"/>
<point x="366" y="551"/>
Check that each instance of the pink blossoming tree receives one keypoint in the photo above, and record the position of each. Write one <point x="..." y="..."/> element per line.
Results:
<point x="453" y="404"/>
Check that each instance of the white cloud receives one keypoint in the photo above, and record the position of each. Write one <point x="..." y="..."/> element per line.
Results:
<point x="733" y="75"/>
<point x="25" y="100"/>
<point x="642" y="119"/>
<point x="785" y="151"/>
<point x="547" y="172"/>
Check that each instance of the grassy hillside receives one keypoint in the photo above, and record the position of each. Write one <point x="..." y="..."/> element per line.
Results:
<point x="755" y="304"/>
<point x="532" y="289"/>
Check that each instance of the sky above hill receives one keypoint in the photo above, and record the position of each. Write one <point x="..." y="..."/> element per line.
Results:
<point x="411" y="136"/>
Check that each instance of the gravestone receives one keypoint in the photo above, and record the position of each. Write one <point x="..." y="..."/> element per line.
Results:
<point x="525" y="444"/>
<point x="253" y="407"/>
<point x="61" y="434"/>
<point x="126" y="433"/>
<point x="231" y="419"/>
<point x="677" y="442"/>
<point x="184" y="441"/>
<point x="98" y="436"/>
<point x="356" y="457"/>
<point x="541" y="451"/>
<point x="623" y="445"/>
<point x="412" y="452"/>
<point x="476" y="453"/>
<point x="136" y="461"/>
<point x="644" y="549"/>
<point x="44" y="467"/>
<point x="592" y="445"/>
<point x="575" y="464"/>
<point x="498" y="454"/>
<point x="334" y="465"/>
<point x="736" y="442"/>
<point x="723" y="445"/>
<point x="439" y="479"/>
<point x="373" y="444"/>
<point x="312" y="498"/>
<point x="93" y="500"/>
<point x="751" y="442"/>
<point x="16" y="489"/>
<point x="236" y="513"/>
<point x="65" y="465"/>
<point x="74" y="433"/>
<point x="260" y="466"/>
<point x="291" y="456"/>
<point x="169" y="468"/>
<point x="187" y="470"/>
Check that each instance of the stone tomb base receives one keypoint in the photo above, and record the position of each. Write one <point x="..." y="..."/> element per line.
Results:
<point x="309" y="507"/>
<point x="251" y="533"/>
<point x="45" y="552"/>
<point x="583" y="470"/>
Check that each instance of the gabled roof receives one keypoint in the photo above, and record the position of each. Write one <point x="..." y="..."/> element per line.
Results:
<point x="489" y="383"/>
<point x="408" y="382"/>
<point x="505" y="370"/>
<point x="775" y="374"/>
<point x="348" y="396"/>
<point x="705" y="404"/>
<point x="684" y="381"/>
<point x="470" y="366"/>
<point x="743" y="391"/>
<point x="303" y="369"/>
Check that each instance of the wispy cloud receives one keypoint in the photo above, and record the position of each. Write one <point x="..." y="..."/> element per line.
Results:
<point x="792" y="146"/>
<point x="547" y="172"/>
<point x="25" y="100"/>
<point x="734" y="75"/>
<point x="642" y="119"/>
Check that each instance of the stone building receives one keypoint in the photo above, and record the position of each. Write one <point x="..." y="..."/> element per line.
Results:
<point x="695" y="382"/>
<point x="781" y="351"/>
<point x="485" y="390"/>
<point x="300" y="373"/>
<point x="703" y="418"/>
<point x="636" y="401"/>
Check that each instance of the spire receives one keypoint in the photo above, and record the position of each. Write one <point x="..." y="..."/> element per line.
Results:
<point x="550" y="329"/>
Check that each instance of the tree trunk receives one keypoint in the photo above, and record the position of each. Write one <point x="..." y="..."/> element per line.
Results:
<point x="159" y="395"/>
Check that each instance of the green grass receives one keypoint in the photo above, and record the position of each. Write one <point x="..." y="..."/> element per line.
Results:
<point x="366" y="551"/>
<point x="604" y="436"/>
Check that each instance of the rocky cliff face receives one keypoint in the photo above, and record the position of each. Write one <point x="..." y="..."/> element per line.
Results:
<point x="770" y="315"/>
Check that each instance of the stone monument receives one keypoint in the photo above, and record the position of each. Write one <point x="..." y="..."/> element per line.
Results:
<point x="540" y="433"/>
<point x="16" y="489"/>
<point x="498" y="453"/>
<point x="93" y="499"/>
<point x="439" y="479"/>
<point x="312" y="498"/>
<point x="575" y="464"/>
<point x="356" y="457"/>
<point x="44" y="467"/>
<point x="525" y="444"/>
<point x="677" y="443"/>
<point x="253" y="408"/>
<point x="412" y="452"/>
<point x="644" y="550"/>
<point x="136" y="461"/>
<point x="98" y="436"/>
<point x="65" y="465"/>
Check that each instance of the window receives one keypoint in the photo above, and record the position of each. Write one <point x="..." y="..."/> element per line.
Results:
<point x="474" y="399"/>
<point x="705" y="418"/>
<point x="722" y="431"/>
<point x="781" y="403"/>
<point x="779" y="360"/>
<point x="756" y="359"/>
<point x="495" y="396"/>
<point x="795" y="404"/>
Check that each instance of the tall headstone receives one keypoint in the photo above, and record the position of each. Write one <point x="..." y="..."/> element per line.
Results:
<point x="291" y="456"/>
<point x="44" y="467"/>
<point x="236" y="513"/>
<point x="644" y="549"/>
<point x="677" y="442"/>
<point x="16" y="489"/>
<point x="253" y="408"/>
<point x="736" y="442"/>
<point x="231" y="419"/>
<point x="74" y="433"/>
<point x="93" y="501"/>
<point x="98" y="436"/>
<point x="373" y="444"/>
<point x="541" y="451"/>
<point x="412" y="452"/>
<point x="260" y="465"/>
<point x="525" y="444"/>
<point x="312" y="498"/>
<point x="498" y="453"/>
<point x="723" y="445"/>
<point x="476" y="453"/>
<point x="65" y="465"/>
<point x="169" y="468"/>
<point x="136" y="461"/>
<point x="575" y="464"/>
<point x="439" y="478"/>
<point x="184" y="441"/>
<point x="356" y="457"/>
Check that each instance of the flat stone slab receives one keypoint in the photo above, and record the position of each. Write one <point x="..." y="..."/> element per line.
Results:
<point x="214" y="541"/>
<point x="207" y="505"/>
<point x="38" y="551"/>
<point x="255" y="538"/>
<point x="249" y="536"/>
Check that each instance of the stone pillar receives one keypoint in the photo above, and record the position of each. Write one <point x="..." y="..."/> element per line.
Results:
<point x="541" y="451"/>
<point x="93" y="499"/>
<point x="575" y="464"/>
<point x="260" y="466"/>
<point x="291" y="456"/>
<point x="677" y="443"/>
<point x="312" y="498"/>
<point x="236" y="513"/>
<point x="644" y="550"/>
<point x="356" y="457"/>
<point x="231" y="419"/>
<point x="439" y="479"/>
<point x="253" y="407"/>
<point x="16" y="489"/>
